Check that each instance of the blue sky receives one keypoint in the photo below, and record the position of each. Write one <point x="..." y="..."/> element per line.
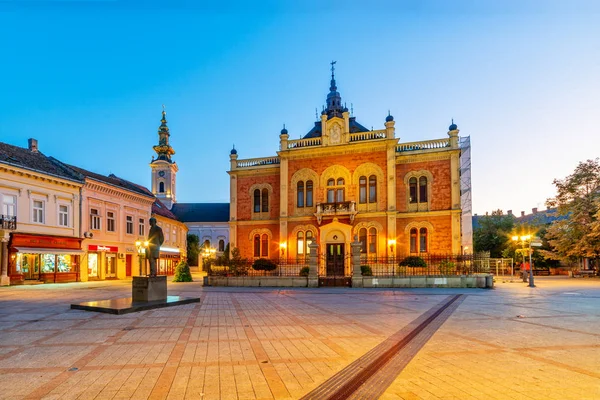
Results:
<point x="88" y="78"/>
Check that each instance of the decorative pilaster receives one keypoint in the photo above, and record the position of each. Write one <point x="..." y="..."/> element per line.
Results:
<point x="313" y="266"/>
<point x="4" y="278"/>
<point x="357" y="280"/>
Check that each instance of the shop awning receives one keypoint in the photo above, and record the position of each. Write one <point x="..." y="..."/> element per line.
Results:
<point x="39" y="250"/>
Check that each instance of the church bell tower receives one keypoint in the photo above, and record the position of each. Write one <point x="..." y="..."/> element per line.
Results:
<point x="164" y="170"/>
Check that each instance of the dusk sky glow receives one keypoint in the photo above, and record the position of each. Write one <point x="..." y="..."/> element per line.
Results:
<point x="521" y="78"/>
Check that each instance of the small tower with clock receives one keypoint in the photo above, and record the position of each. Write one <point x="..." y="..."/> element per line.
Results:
<point x="164" y="170"/>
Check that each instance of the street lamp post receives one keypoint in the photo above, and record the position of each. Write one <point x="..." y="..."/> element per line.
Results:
<point x="526" y="238"/>
<point x="141" y="248"/>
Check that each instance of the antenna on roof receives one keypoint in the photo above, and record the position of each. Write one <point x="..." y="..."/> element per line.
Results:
<point x="351" y="110"/>
<point x="316" y="113"/>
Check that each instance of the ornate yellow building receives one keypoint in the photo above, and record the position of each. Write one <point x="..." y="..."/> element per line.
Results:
<point x="342" y="181"/>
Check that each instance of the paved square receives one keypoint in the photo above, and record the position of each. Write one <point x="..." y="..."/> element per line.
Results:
<point x="512" y="342"/>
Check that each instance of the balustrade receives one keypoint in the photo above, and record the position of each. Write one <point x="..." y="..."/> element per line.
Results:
<point x="423" y="145"/>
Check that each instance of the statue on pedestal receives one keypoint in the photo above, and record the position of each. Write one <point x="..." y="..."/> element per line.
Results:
<point x="155" y="240"/>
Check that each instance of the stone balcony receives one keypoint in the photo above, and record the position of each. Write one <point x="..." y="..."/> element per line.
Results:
<point x="337" y="209"/>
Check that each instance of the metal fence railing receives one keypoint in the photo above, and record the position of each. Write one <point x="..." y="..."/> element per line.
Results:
<point x="409" y="265"/>
<point x="427" y="265"/>
<point x="244" y="267"/>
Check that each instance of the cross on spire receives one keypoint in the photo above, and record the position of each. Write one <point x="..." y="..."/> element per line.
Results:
<point x="332" y="68"/>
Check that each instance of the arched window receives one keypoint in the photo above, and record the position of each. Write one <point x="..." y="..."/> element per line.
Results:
<point x="257" y="245"/>
<point x="300" y="243"/>
<point x="161" y="187"/>
<point x="412" y="184"/>
<point x="372" y="189"/>
<point x="373" y="241"/>
<point x="257" y="200"/>
<point x="362" y="189"/>
<point x="309" y="193"/>
<point x="423" y="240"/>
<point x="265" y="200"/>
<point x="264" y="245"/>
<point x="422" y="189"/>
<point x="300" y="194"/>
<point x="221" y="245"/>
<point x="413" y="240"/>
<point x="331" y="190"/>
<point x="362" y="238"/>
<point x="207" y="244"/>
<point x="309" y="239"/>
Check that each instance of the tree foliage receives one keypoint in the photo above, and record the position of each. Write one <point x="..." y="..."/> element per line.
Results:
<point x="493" y="233"/>
<point x="193" y="249"/>
<point x="182" y="273"/>
<point x="578" y="199"/>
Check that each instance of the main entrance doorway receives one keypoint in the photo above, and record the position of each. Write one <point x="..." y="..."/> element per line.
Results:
<point x="334" y="266"/>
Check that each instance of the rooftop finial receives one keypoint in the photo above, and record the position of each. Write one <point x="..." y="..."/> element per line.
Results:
<point x="351" y="109"/>
<point x="332" y="68"/>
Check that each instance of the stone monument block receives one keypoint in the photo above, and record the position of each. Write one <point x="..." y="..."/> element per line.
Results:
<point x="149" y="288"/>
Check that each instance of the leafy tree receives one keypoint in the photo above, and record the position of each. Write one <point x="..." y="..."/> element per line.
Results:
<point x="578" y="200"/>
<point x="193" y="249"/>
<point x="493" y="233"/>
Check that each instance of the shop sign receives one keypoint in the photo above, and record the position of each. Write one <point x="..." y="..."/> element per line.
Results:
<point x="55" y="242"/>
<point x="99" y="247"/>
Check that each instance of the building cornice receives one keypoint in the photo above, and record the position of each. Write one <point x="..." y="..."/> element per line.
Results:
<point x="39" y="175"/>
<point x="105" y="188"/>
<point x="425" y="214"/>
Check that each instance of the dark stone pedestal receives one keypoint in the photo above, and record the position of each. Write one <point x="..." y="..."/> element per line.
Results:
<point x="146" y="288"/>
<point x="147" y="293"/>
<point x="127" y="305"/>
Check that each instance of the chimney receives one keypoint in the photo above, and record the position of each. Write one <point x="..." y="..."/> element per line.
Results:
<point x="509" y="212"/>
<point x="486" y="213"/>
<point x="522" y="213"/>
<point x="33" y="146"/>
<point x="534" y="210"/>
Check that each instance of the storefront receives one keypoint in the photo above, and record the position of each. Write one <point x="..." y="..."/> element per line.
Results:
<point x="169" y="258"/>
<point x="102" y="262"/>
<point x="46" y="258"/>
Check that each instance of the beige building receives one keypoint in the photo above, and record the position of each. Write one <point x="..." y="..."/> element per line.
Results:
<point x="115" y="214"/>
<point x="39" y="220"/>
<point x="174" y="249"/>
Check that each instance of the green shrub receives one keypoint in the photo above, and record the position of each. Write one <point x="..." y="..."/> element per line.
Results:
<point x="237" y="266"/>
<point x="447" y="267"/>
<point x="365" y="270"/>
<point x="263" y="264"/>
<point x="304" y="271"/>
<point x="413" y="261"/>
<point x="182" y="272"/>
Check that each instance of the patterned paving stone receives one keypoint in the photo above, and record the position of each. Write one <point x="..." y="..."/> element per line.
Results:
<point x="261" y="343"/>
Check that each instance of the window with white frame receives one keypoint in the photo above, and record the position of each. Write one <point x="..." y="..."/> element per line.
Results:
<point x="141" y="227"/>
<point x="94" y="219"/>
<point x="9" y="205"/>
<point x="38" y="211"/>
<point x="63" y="215"/>
<point x="110" y="221"/>
<point x="174" y="235"/>
<point x="129" y="224"/>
